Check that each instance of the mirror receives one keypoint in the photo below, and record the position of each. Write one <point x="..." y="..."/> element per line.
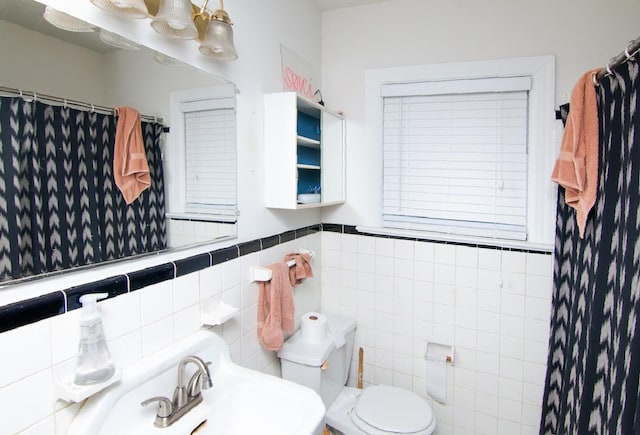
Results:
<point x="41" y="58"/>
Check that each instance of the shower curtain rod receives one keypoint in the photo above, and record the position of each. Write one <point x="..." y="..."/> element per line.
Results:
<point x="33" y="96"/>
<point x="621" y="58"/>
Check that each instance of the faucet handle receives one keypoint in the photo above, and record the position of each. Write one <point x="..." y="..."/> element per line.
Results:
<point x="165" y="407"/>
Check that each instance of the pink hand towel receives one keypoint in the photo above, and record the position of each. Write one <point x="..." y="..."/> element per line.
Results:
<point x="275" y="308"/>
<point x="302" y="268"/>
<point x="576" y="168"/>
<point x="130" y="166"/>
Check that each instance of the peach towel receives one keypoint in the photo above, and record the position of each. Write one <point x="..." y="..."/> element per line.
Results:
<point x="302" y="268"/>
<point x="275" y="308"/>
<point x="130" y="166"/>
<point x="576" y="168"/>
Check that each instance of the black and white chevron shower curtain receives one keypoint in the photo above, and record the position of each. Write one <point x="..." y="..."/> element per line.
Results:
<point x="59" y="205"/>
<point x="593" y="369"/>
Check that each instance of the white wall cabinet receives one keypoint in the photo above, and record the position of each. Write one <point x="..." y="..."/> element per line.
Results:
<point x="304" y="153"/>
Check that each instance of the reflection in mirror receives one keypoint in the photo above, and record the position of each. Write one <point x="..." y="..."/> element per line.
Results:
<point x="40" y="58"/>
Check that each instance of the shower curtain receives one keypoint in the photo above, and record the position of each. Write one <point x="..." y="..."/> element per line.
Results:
<point x="59" y="206"/>
<point x="593" y="368"/>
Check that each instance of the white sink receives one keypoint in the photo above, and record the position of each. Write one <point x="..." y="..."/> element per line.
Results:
<point x="241" y="401"/>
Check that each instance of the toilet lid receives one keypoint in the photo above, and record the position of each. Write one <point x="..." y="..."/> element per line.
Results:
<point x="393" y="409"/>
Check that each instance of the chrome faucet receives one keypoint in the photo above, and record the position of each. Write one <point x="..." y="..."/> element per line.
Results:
<point x="185" y="398"/>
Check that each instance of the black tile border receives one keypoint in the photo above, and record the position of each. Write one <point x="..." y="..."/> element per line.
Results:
<point x="225" y="254"/>
<point x="31" y="310"/>
<point x="151" y="275"/>
<point x="270" y="242"/>
<point x="52" y="304"/>
<point x="192" y="264"/>
<point x="113" y="286"/>
<point x="249" y="247"/>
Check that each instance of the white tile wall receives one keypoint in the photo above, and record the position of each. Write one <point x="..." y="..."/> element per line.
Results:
<point x="138" y="324"/>
<point x="492" y="305"/>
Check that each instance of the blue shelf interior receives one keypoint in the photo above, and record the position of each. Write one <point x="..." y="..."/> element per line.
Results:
<point x="308" y="181"/>
<point x="308" y="156"/>
<point x="308" y="126"/>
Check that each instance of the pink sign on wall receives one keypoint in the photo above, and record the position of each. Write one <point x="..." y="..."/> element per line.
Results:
<point x="297" y="74"/>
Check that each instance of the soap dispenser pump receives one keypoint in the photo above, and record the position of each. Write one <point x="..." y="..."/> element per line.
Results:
<point x="94" y="363"/>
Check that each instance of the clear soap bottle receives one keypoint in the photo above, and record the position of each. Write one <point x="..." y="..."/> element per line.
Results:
<point x="94" y="363"/>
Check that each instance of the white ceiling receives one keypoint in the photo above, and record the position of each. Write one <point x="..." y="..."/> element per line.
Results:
<point x="327" y="5"/>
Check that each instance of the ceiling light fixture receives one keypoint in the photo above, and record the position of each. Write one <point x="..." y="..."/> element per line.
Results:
<point x="117" y="41"/>
<point x="65" y="21"/>
<point x="175" y="19"/>
<point x="218" y="37"/>
<point x="128" y="8"/>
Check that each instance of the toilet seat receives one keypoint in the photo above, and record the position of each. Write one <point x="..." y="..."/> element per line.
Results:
<point x="383" y="409"/>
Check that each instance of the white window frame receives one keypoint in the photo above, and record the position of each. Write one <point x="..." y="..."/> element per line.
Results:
<point x="175" y="152"/>
<point x="540" y="191"/>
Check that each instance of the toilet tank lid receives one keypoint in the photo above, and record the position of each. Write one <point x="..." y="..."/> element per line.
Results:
<point x="296" y="350"/>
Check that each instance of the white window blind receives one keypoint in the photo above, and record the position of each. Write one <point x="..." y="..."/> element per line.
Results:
<point x="210" y="156"/>
<point x="455" y="156"/>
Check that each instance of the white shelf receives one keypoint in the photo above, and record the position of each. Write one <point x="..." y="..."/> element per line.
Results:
<point x="219" y="314"/>
<point x="305" y="141"/>
<point x="66" y="389"/>
<point x="302" y="166"/>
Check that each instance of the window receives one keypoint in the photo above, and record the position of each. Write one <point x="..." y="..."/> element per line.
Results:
<point x="467" y="150"/>
<point x="203" y="154"/>
<point x="455" y="156"/>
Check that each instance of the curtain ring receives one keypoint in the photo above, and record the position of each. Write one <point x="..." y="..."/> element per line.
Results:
<point x="608" y="68"/>
<point x="628" y="55"/>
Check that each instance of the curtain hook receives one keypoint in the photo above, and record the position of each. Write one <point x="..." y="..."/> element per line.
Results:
<point x="65" y="103"/>
<point x="93" y="108"/>
<point x="35" y="97"/>
<point x="594" y="78"/>
<point x="21" y="96"/>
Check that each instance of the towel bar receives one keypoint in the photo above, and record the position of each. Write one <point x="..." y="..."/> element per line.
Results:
<point x="258" y="273"/>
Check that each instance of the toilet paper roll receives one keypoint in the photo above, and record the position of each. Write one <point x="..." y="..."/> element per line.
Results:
<point x="313" y="328"/>
<point x="436" y="371"/>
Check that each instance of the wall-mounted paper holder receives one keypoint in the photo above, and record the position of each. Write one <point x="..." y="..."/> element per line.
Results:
<point x="258" y="273"/>
<point x="437" y="351"/>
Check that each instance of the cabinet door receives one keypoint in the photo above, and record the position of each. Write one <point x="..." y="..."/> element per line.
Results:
<point x="333" y="158"/>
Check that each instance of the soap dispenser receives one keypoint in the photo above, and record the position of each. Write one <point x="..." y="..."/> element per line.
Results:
<point x="94" y="363"/>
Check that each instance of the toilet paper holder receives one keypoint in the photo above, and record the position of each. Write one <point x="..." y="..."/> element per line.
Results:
<point x="438" y="352"/>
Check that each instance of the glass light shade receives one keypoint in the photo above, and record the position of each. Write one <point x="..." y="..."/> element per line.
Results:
<point x="65" y="21"/>
<point x="128" y="8"/>
<point x="175" y="19"/>
<point x="163" y="59"/>
<point x="218" y="41"/>
<point x="117" y="41"/>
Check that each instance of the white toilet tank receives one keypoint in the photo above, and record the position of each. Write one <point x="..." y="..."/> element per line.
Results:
<point x="323" y="366"/>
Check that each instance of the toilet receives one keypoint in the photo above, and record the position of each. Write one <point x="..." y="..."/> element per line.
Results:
<point x="376" y="410"/>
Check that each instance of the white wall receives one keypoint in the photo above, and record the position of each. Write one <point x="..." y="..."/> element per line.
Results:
<point x="581" y="35"/>
<point x="37" y="58"/>
<point x="492" y="305"/>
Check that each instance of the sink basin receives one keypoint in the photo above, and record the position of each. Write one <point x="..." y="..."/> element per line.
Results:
<point x="241" y="401"/>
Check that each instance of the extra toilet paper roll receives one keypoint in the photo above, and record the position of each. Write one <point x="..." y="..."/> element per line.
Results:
<point x="314" y="327"/>
<point x="436" y="371"/>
